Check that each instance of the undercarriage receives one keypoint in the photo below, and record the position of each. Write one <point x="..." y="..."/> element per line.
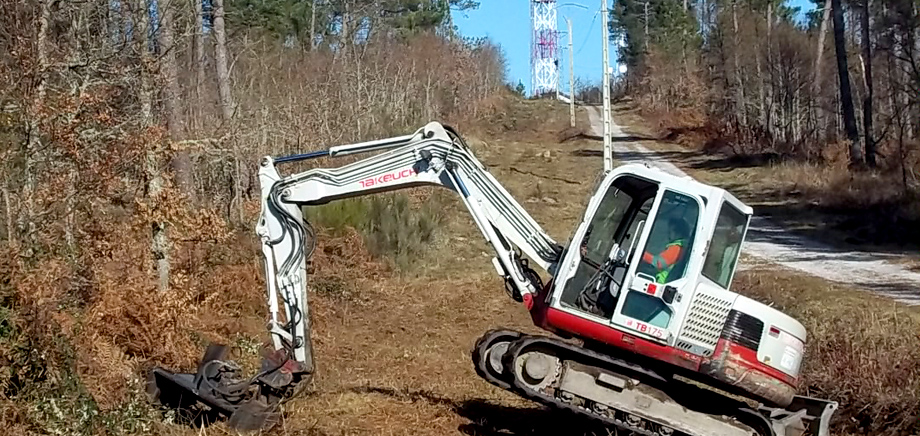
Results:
<point x="630" y="397"/>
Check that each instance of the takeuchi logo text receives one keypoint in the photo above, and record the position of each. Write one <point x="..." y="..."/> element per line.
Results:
<point x="385" y="178"/>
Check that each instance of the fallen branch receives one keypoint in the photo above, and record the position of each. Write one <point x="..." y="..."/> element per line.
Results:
<point x="560" y="179"/>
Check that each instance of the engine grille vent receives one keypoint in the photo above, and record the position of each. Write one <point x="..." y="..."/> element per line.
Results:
<point x="704" y="323"/>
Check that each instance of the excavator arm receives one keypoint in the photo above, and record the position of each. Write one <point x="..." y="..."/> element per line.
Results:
<point x="434" y="155"/>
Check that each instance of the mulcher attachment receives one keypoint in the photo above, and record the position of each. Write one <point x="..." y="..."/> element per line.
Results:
<point x="218" y="390"/>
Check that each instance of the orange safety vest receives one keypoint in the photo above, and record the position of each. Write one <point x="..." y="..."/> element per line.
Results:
<point x="665" y="260"/>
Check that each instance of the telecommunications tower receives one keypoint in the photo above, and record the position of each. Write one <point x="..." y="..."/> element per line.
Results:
<point x="544" y="65"/>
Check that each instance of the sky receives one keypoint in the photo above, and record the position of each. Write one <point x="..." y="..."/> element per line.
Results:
<point x="507" y="23"/>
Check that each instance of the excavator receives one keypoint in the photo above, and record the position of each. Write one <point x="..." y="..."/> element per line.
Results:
<point x="644" y="334"/>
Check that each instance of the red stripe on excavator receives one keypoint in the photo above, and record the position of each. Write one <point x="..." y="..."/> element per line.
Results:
<point x="747" y="358"/>
<point x="609" y="335"/>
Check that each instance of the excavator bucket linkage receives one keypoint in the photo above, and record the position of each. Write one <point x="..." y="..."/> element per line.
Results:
<point x="217" y="390"/>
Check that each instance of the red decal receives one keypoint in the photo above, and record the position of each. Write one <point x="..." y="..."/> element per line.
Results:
<point x="646" y="328"/>
<point x="391" y="177"/>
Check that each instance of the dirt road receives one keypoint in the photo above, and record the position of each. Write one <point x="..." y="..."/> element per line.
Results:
<point x="769" y="243"/>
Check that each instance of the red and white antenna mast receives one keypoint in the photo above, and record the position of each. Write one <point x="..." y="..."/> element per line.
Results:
<point x="544" y="65"/>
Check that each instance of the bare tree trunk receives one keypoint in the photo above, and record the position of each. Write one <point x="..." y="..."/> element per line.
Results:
<point x="10" y="230"/>
<point x="70" y="222"/>
<point x="199" y="60"/>
<point x="739" y="90"/>
<point x="33" y="136"/>
<point x="346" y="18"/>
<point x="767" y="86"/>
<point x="182" y="162"/>
<point x="313" y="26"/>
<point x="646" y="27"/>
<point x="220" y="57"/>
<point x="819" y="57"/>
<point x="152" y="167"/>
<point x="870" y="88"/>
<point x="846" y="96"/>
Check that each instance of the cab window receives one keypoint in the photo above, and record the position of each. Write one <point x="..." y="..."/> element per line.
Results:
<point x="725" y="245"/>
<point x="671" y="238"/>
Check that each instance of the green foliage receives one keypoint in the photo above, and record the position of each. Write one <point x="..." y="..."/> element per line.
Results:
<point x="290" y="20"/>
<point x="391" y="227"/>
<point x="670" y="28"/>
<point x="282" y="18"/>
<point x="399" y="232"/>
<point x="412" y="16"/>
<point x="338" y="216"/>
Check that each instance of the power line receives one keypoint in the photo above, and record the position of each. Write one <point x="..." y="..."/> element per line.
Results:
<point x="588" y="36"/>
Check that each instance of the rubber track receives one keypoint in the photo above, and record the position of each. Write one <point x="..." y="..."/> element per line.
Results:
<point x="481" y="364"/>
<point x="526" y="341"/>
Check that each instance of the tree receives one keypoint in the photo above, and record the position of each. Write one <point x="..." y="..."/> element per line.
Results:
<point x="159" y="246"/>
<point x="663" y="25"/>
<point x="291" y="21"/>
<point x="220" y="57"/>
<point x="819" y="52"/>
<point x="846" y="96"/>
<point x="870" y="88"/>
<point x="199" y="59"/>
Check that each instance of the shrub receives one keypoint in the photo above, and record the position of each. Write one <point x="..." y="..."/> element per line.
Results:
<point x="393" y="228"/>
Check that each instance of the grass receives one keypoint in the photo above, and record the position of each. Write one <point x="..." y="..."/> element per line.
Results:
<point x="393" y="228"/>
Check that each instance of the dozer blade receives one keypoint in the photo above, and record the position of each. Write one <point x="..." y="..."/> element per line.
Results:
<point x="217" y="390"/>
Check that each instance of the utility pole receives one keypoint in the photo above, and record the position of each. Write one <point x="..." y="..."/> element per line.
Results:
<point x="608" y="146"/>
<point x="568" y="21"/>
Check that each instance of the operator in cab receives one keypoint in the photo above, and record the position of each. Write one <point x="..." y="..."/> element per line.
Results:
<point x="665" y="248"/>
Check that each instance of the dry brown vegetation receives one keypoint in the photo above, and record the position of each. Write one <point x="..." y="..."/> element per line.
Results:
<point x="89" y="147"/>
<point x="83" y="318"/>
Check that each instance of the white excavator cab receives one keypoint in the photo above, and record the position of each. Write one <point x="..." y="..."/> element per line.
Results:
<point x="648" y="240"/>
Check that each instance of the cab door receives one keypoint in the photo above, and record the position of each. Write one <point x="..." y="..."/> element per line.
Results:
<point x="659" y="273"/>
